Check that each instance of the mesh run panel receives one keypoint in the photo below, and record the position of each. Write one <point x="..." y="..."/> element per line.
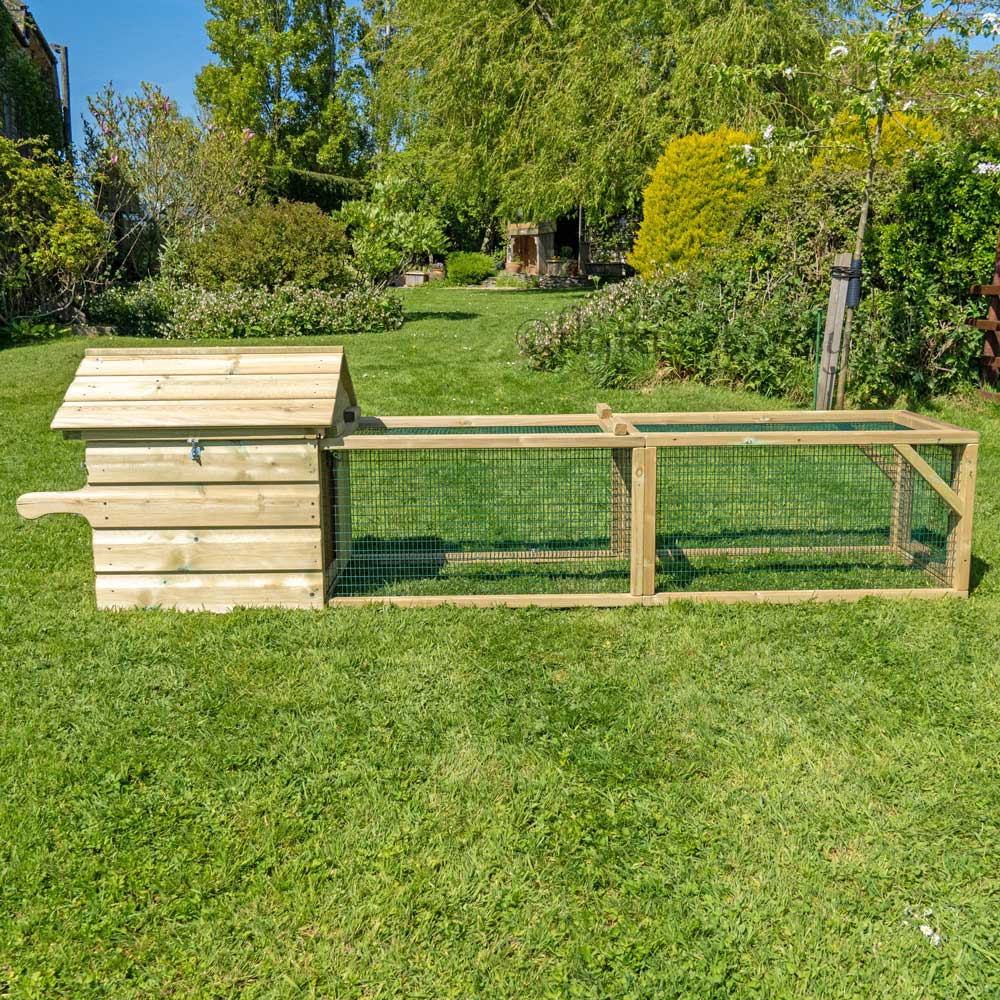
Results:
<point x="369" y="431"/>
<point x="481" y="521"/>
<point x="800" y="517"/>
<point x="762" y="427"/>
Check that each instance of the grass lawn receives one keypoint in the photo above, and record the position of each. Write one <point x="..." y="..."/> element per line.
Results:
<point x="684" y="801"/>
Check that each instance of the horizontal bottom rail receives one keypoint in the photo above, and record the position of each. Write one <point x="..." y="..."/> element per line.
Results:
<point x="622" y="600"/>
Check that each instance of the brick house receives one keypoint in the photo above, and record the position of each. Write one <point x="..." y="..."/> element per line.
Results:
<point x="52" y="62"/>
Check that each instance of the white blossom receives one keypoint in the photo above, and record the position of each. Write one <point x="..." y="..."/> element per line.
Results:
<point x="988" y="169"/>
<point x="837" y="52"/>
<point x="769" y="133"/>
<point x="908" y="105"/>
<point x="991" y="23"/>
<point x="748" y="155"/>
<point x="789" y="72"/>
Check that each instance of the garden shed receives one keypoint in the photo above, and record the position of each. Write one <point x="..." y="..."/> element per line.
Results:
<point x="227" y="477"/>
<point x="530" y="245"/>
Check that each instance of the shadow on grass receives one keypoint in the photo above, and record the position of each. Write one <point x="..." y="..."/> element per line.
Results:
<point x="439" y="314"/>
<point x="422" y="563"/>
<point x="980" y="567"/>
<point x="10" y="338"/>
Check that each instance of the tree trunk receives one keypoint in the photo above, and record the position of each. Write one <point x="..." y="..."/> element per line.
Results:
<point x="859" y="242"/>
<point x="487" y="245"/>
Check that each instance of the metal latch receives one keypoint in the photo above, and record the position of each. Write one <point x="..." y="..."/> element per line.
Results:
<point x="196" y="450"/>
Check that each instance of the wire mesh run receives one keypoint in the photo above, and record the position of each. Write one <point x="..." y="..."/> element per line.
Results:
<point x="370" y="430"/>
<point x="424" y="521"/>
<point x="772" y="427"/>
<point x="801" y="517"/>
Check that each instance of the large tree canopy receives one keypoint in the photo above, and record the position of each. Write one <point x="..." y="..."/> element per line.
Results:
<point x="532" y="107"/>
<point x="287" y="70"/>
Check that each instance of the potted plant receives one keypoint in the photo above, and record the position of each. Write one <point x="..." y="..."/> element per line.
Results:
<point x="437" y="270"/>
<point x="515" y="264"/>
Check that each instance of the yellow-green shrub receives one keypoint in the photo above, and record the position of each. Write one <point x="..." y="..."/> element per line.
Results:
<point x="845" y="149"/>
<point x="696" y="197"/>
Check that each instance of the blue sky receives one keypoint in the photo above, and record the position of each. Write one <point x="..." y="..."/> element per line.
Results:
<point x="162" y="41"/>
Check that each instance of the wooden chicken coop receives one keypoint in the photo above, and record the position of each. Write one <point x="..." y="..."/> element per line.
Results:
<point x="227" y="477"/>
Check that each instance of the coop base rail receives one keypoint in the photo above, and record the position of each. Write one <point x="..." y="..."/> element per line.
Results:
<point x="650" y="600"/>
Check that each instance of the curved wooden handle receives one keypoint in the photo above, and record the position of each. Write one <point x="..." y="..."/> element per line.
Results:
<point x="33" y="505"/>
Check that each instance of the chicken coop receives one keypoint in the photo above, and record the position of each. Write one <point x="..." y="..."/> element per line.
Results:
<point x="222" y="477"/>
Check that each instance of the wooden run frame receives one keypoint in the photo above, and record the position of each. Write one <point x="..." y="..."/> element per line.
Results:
<point x="606" y="429"/>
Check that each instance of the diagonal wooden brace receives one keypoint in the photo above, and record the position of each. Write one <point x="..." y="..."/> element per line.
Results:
<point x="936" y="483"/>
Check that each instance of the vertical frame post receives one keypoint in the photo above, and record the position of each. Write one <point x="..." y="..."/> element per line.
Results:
<point x="621" y="492"/>
<point x="643" y="562"/>
<point x="649" y="524"/>
<point x="962" y="538"/>
<point x="638" y="521"/>
<point x="901" y="527"/>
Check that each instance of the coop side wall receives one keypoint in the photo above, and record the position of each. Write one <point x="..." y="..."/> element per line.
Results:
<point x="238" y="524"/>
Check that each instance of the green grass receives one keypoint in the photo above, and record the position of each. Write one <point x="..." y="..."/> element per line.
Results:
<point x="685" y="801"/>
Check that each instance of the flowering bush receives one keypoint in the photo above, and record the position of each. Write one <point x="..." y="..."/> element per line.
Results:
<point x="156" y="308"/>
<point x="142" y="310"/>
<point x="157" y="175"/>
<point x="719" y="325"/>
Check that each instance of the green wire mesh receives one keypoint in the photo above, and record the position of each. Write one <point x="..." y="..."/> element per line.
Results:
<point x="367" y="430"/>
<point x="800" y="517"/>
<point x="773" y="427"/>
<point x="481" y="521"/>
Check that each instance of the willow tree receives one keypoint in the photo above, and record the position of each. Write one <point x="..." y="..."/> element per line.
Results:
<point x="534" y="107"/>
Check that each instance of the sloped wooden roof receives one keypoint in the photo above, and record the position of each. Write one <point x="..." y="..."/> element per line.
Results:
<point x="293" y="389"/>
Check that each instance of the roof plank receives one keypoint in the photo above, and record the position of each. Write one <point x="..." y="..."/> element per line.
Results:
<point x="194" y="414"/>
<point x="230" y="363"/>
<point x="111" y="388"/>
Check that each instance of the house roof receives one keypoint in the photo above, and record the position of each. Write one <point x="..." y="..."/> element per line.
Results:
<point x="25" y="26"/>
<point x="264" y="390"/>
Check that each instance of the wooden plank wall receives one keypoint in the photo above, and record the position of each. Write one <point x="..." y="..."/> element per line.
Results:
<point x="238" y="525"/>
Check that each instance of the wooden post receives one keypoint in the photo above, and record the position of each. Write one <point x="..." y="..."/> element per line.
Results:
<point x="962" y="535"/>
<point x="901" y="526"/>
<point x="638" y="520"/>
<point x="621" y="498"/>
<point x="989" y="360"/>
<point x="648" y="456"/>
<point x="830" y="363"/>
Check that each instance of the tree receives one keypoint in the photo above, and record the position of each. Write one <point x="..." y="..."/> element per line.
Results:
<point x="288" y="71"/>
<point x="51" y="243"/>
<point x="531" y="108"/>
<point x="900" y="47"/>
<point x="156" y="175"/>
